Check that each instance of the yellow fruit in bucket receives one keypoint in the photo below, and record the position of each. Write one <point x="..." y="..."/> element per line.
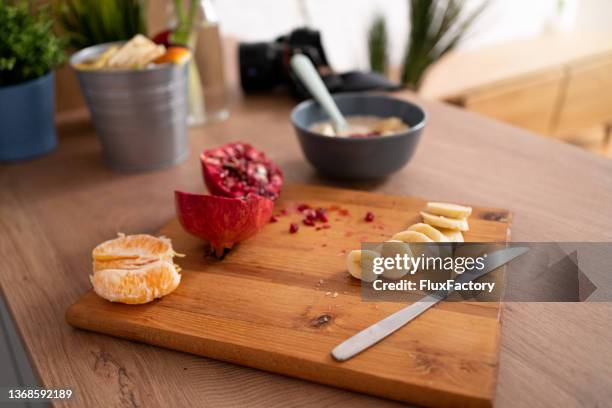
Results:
<point x="174" y="55"/>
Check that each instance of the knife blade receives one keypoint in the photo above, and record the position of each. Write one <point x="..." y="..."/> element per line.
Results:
<point x="378" y="331"/>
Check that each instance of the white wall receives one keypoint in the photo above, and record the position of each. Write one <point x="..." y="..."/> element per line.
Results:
<point x="344" y="23"/>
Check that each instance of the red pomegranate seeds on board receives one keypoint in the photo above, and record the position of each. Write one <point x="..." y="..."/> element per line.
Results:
<point x="309" y="222"/>
<point x="303" y="207"/>
<point x="320" y="213"/>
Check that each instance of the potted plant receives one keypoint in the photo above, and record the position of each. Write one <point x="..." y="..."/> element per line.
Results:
<point x="29" y="52"/>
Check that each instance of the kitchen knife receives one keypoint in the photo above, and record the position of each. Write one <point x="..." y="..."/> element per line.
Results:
<point x="378" y="331"/>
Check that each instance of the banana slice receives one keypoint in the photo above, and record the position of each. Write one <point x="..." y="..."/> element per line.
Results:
<point x="411" y="236"/>
<point x="448" y="210"/>
<point x="444" y="222"/>
<point x="415" y="241"/>
<point x="360" y="264"/>
<point x="429" y="231"/>
<point x="452" y="235"/>
<point x="391" y="249"/>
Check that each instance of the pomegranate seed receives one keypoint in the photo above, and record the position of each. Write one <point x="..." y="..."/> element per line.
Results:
<point x="369" y="217"/>
<point x="308" y="221"/>
<point x="321" y="216"/>
<point x="293" y="228"/>
<point x="273" y="218"/>
<point x="310" y="214"/>
<point x="303" y="207"/>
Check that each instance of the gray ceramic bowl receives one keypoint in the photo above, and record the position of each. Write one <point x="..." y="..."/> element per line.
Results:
<point x="359" y="158"/>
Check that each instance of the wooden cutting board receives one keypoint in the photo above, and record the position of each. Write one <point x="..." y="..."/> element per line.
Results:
<point x="280" y="302"/>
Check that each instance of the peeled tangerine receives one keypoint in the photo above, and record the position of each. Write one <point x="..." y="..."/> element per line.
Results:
<point x="134" y="269"/>
<point x="222" y="221"/>
<point x="136" y="286"/>
<point x="131" y="252"/>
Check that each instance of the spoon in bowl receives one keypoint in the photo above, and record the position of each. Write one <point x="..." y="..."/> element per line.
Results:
<point x="309" y="76"/>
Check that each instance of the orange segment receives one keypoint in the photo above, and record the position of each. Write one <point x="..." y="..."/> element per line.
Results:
<point x="134" y="269"/>
<point x="136" y="286"/>
<point x="131" y="251"/>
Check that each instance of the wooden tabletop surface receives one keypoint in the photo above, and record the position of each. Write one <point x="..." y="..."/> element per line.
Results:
<point x="55" y="209"/>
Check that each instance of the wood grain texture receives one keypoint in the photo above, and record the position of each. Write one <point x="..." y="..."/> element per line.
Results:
<point x="55" y="209"/>
<point x="280" y="302"/>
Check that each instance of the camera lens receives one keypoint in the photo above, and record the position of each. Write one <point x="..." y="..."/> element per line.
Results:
<point x="260" y="66"/>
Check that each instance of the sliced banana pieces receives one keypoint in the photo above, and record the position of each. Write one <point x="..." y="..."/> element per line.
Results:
<point x="429" y="231"/>
<point x="391" y="249"/>
<point x="444" y="222"/>
<point x="358" y="258"/>
<point x="411" y="236"/>
<point x="448" y="210"/>
<point x="452" y="235"/>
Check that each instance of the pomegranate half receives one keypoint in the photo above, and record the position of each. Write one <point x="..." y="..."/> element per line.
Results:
<point x="222" y="221"/>
<point x="238" y="169"/>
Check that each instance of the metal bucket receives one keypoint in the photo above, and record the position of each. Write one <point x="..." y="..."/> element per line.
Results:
<point x="139" y="115"/>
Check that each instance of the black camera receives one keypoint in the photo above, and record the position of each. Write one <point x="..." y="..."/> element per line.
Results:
<point x="266" y="65"/>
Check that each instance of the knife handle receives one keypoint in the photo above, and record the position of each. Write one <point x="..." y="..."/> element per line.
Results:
<point x="378" y="331"/>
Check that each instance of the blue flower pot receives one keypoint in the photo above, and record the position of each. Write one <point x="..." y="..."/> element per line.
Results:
<point x="26" y="119"/>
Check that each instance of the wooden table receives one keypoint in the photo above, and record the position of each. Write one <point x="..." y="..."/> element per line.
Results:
<point x="53" y="210"/>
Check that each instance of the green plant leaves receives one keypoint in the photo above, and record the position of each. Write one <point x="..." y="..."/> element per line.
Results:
<point x="28" y="49"/>
<point x="185" y="20"/>
<point x="91" y="22"/>
<point x="378" y="44"/>
<point x="436" y="27"/>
